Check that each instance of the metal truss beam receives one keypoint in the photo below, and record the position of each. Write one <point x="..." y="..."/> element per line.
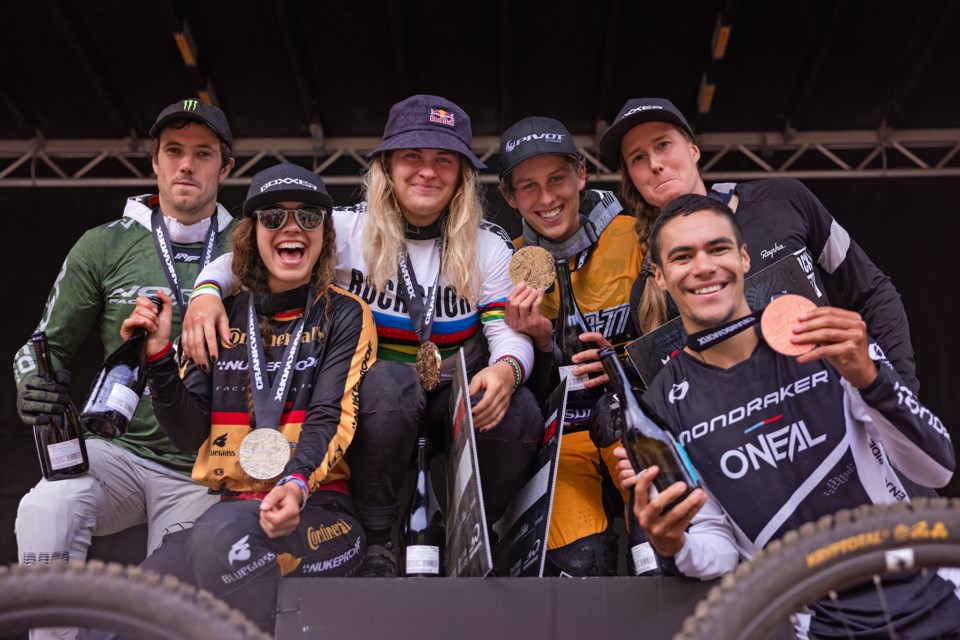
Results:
<point x="725" y="156"/>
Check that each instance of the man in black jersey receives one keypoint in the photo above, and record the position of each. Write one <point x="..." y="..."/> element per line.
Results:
<point x="781" y="440"/>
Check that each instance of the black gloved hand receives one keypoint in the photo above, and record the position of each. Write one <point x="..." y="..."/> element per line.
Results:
<point x="606" y="422"/>
<point x="40" y="402"/>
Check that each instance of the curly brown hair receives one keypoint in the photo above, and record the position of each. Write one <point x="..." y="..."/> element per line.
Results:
<point x="251" y="270"/>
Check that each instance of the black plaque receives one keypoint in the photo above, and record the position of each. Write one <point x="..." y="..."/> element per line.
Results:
<point x="649" y="353"/>
<point x="468" y="542"/>
<point x="524" y="527"/>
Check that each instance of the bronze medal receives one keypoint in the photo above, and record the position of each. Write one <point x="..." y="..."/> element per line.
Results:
<point x="778" y="319"/>
<point x="264" y="454"/>
<point x="533" y="266"/>
<point x="428" y="365"/>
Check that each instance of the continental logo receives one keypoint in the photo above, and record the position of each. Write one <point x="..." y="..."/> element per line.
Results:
<point x="316" y="537"/>
<point x="313" y="334"/>
<point x="901" y="533"/>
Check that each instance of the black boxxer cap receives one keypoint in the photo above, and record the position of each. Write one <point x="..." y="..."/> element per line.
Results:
<point x="638" y="111"/>
<point x="286" y="182"/>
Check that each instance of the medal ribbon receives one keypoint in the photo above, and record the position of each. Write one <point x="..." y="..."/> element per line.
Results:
<point x="268" y="403"/>
<point x="703" y="340"/>
<point x="164" y="249"/>
<point x="420" y="316"/>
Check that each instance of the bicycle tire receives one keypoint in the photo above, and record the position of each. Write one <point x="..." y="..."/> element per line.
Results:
<point x="835" y="552"/>
<point x="119" y="598"/>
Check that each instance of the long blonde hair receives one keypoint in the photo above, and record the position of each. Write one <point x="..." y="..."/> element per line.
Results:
<point x="384" y="239"/>
<point x="652" y="310"/>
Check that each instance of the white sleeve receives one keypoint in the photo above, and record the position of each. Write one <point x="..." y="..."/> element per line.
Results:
<point x="494" y="253"/>
<point x="710" y="549"/>
<point x="220" y="271"/>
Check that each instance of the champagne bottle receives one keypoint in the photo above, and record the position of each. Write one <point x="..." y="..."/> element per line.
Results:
<point x="424" y="537"/>
<point x="566" y="336"/>
<point x="60" y="445"/>
<point x="643" y="559"/>
<point x="646" y="441"/>
<point x="117" y="387"/>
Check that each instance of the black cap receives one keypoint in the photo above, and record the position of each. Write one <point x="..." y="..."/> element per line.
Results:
<point x="192" y="109"/>
<point x="286" y="182"/>
<point x="534" y="136"/>
<point x="428" y="122"/>
<point x="638" y="111"/>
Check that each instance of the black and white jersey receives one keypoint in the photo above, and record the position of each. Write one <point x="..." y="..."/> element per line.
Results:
<point x="778" y="444"/>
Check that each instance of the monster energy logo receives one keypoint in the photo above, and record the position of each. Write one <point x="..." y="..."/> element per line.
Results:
<point x="190" y="105"/>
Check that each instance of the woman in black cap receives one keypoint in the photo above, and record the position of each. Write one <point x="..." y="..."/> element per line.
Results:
<point x="654" y="146"/>
<point x="274" y="415"/>
<point x="435" y="275"/>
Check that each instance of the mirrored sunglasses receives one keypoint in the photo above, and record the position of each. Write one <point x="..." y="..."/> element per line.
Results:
<point x="309" y="217"/>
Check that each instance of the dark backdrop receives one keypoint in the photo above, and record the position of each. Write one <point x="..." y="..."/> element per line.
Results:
<point x="905" y="225"/>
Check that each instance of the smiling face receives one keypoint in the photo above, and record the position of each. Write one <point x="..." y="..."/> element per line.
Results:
<point x="189" y="171"/>
<point x="702" y="269"/>
<point x="661" y="162"/>
<point x="424" y="181"/>
<point x="289" y="253"/>
<point x="546" y="193"/>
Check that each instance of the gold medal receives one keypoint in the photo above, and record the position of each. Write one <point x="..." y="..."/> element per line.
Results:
<point x="264" y="454"/>
<point x="428" y="365"/>
<point x="534" y="266"/>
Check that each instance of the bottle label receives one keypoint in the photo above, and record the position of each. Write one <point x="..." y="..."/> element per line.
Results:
<point x="576" y="382"/>
<point x="123" y="399"/>
<point x="422" y="558"/>
<point x="64" y="454"/>
<point x="644" y="558"/>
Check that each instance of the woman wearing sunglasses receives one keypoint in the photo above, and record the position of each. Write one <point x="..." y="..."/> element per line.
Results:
<point x="436" y="277"/>
<point x="273" y="416"/>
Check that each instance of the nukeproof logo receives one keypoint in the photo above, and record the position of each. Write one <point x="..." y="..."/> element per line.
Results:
<point x="442" y="116"/>
<point x="190" y="105"/>
<point x="556" y="138"/>
<point x="282" y="181"/>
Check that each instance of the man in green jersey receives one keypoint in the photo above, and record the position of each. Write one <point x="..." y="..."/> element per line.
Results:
<point x="159" y="243"/>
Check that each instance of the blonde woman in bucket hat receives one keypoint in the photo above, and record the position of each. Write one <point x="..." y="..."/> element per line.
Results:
<point x="421" y="223"/>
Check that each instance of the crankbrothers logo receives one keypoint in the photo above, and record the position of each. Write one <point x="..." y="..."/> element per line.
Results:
<point x="546" y="137"/>
<point x="190" y="105"/>
<point x="284" y="181"/>
<point x="442" y="116"/>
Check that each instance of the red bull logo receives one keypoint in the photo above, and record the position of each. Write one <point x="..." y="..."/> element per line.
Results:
<point x="441" y="116"/>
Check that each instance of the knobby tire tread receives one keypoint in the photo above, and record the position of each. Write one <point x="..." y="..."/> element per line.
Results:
<point x="113" y="597"/>
<point x="759" y="596"/>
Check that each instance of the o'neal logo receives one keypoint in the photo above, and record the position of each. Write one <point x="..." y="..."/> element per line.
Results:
<point x="769" y="449"/>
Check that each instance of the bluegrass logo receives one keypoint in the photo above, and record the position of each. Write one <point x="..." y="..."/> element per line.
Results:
<point x="220" y="441"/>
<point x="441" y="116"/>
<point x="240" y="550"/>
<point x="190" y="105"/>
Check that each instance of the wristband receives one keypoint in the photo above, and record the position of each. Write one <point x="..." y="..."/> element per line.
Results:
<point x="159" y="354"/>
<point x="299" y="480"/>
<point x="517" y="370"/>
<point x="207" y="287"/>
